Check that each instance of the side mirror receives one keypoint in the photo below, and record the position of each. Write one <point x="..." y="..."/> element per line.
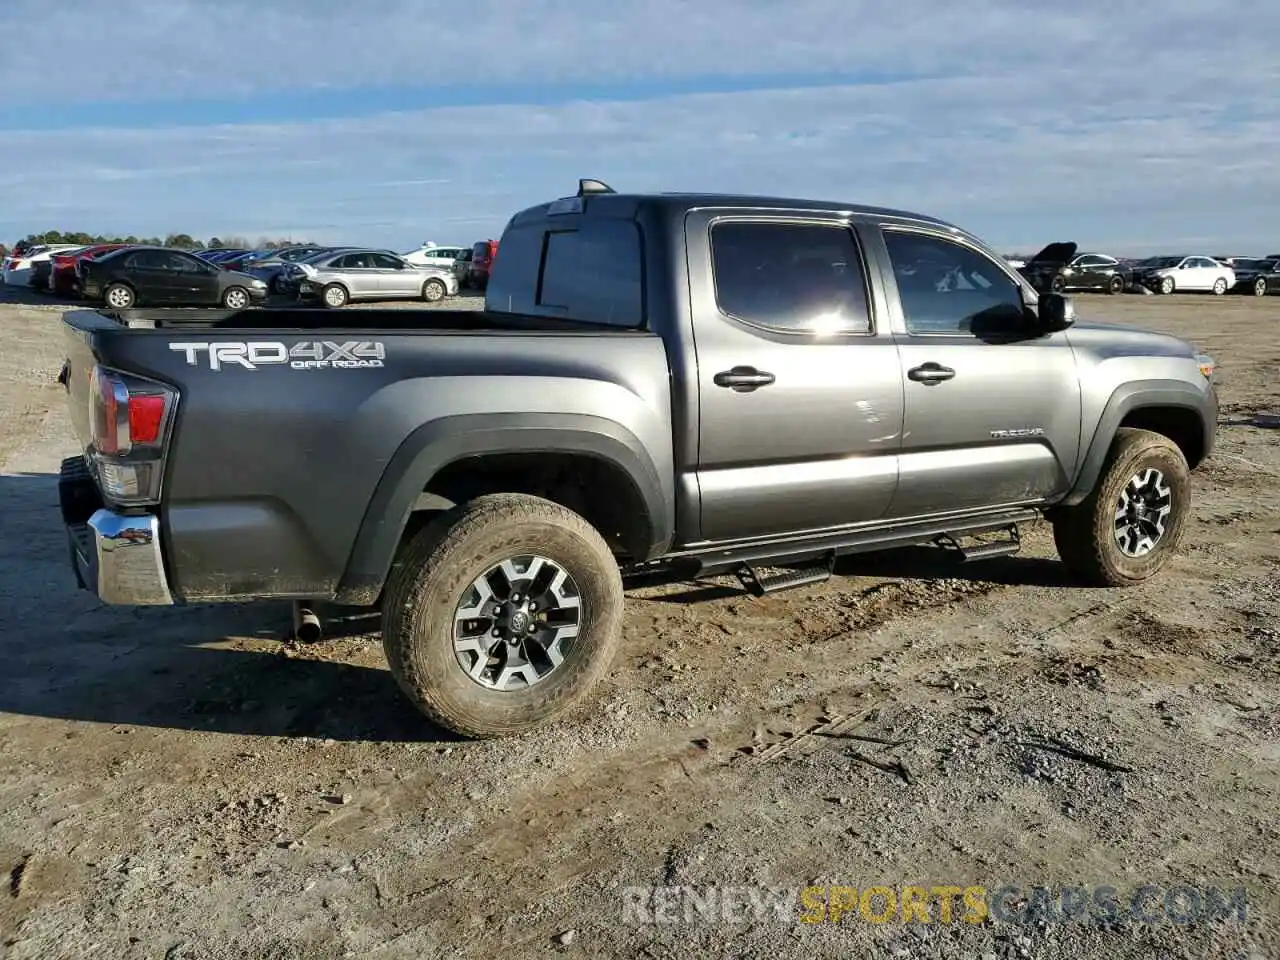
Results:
<point x="1055" y="312"/>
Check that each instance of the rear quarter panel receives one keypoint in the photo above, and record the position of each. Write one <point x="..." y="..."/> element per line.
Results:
<point x="271" y="469"/>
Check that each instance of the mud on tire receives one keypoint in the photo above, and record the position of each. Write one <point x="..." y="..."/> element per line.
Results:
<point x="1086" y="534"/>
<point x="432" y="581"/>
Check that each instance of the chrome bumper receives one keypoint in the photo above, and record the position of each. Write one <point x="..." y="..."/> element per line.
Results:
<point x="118" y="558"/>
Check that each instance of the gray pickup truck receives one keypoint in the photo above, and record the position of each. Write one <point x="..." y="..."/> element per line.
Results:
<point x="710" y="384"/>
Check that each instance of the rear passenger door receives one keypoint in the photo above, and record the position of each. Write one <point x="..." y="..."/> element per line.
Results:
<point x="799" y="383"/>
<point x="150" y="272"/>
<point x="361" y="275"/>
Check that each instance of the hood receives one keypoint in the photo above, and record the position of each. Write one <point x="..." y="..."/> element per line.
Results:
<point x="1060" y="252"/>
<point x="246" y="277"/>
<point x="1115" y="339"/>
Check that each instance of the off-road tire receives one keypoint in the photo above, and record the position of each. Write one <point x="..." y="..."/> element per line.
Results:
<point x="431" y="576"/>
<point x="1085" y="534"/>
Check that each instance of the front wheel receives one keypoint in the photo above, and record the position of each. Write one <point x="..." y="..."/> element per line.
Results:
<point x="502" y="614"/>
<point x="433" y="291"/>
<point x="1115" y="285"/>
<point x="1166" y="285"/>
<point x="1128" y="527"/>
<point x="1260" y="287"/>
<point x="1219" y="286"/>
<point x="235" y="298"/>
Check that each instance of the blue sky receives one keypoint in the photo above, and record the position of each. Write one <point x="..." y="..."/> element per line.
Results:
<point x="1126" y="126"/>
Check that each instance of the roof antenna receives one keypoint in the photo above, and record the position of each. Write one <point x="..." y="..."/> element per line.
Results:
<point x="586" y="187"/>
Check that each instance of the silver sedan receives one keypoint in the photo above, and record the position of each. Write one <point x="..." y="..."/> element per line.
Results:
<point x="339" y="277"/>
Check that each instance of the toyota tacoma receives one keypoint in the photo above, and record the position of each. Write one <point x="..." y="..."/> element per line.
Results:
<point x="701" y="383"/>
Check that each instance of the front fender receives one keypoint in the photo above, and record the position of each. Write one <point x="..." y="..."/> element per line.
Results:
<point x="435" y="445"/>
<point x="1137" y="395"/>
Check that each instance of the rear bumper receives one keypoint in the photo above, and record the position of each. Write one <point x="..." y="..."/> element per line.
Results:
<point x="117" y="556"/>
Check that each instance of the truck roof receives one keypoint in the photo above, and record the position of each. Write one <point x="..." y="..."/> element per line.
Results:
<point x="608" y="203"/>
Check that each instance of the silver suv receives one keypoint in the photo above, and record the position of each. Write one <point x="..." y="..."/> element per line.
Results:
<point x="341" y="276"/>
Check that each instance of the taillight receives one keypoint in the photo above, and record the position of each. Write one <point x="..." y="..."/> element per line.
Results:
<point x="130" y="420"/>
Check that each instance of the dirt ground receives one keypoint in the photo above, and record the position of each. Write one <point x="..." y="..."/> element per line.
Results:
<point x="179" y="783"/>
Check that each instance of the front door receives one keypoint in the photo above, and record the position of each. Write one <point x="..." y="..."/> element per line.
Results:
<point x="195" y="283"/>
<point x="394" y="280"/>
<point x="992" y="412"/>
<point x="798" y="381"/>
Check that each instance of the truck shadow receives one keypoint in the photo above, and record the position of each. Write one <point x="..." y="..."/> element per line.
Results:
<point x="215" y="668"/>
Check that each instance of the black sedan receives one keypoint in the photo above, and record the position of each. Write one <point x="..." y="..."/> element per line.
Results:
<point x="160" y="276"/>
<point x="1258" y="277"/>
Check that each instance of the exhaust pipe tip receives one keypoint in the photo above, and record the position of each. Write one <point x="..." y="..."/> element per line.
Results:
<point x="306" y="625"/>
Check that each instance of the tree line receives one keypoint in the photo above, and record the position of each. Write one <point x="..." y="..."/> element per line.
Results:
<point x="180" y="241"/>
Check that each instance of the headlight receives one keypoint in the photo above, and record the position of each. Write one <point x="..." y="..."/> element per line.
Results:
<point x="1206" y="365"/>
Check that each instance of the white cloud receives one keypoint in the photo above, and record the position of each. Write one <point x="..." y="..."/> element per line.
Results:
<point x="1120" y="128"/>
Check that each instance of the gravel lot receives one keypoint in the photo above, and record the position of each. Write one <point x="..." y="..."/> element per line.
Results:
<point x="178" y="783"/>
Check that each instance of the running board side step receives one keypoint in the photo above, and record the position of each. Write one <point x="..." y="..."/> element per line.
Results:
<point x="815" y="572"/>
<point x="983" y="551"/>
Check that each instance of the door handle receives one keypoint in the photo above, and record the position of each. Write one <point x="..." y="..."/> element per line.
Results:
<point x="930" y="373"/>
<point x="743" y="379"/>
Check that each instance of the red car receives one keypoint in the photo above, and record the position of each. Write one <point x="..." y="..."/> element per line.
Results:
<point x="64" y="281"/>
<point x="483" y="254"/>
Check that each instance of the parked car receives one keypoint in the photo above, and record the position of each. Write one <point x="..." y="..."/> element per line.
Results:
<point x="338" y="278"/>
<point x="479" y="264"/>
<point x="41" y="276"/>
<point x="64" y="280"/>
<point x="462" y="266"/>
<point x="18" y="267"/>
<point x="162" y="276"/>
<point x="1184" y="274"/>
<point x="1059" y="268"/>
<point x="487" y="484"/>
<point x="221" y="254"/>
<point x="1256" y="276"/>
<point x="434" y="255"/>
<point x="271" y="267"/>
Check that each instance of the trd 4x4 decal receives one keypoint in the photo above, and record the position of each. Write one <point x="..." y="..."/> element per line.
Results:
<point x="306" y="355"/>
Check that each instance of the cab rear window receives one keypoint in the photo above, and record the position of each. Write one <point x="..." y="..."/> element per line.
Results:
<point x="592" y="271"/>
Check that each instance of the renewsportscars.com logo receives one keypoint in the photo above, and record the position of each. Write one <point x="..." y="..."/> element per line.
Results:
<point x="307" y="355"/>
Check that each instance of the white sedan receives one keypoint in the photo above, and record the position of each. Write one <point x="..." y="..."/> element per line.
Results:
<point x="17" y="269"/>
<point x="434" y="255"/>
<point x="1185" y="274"/>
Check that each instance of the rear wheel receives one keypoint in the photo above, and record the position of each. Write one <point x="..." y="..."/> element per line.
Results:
<point x="1220" y="286"/>
<point x="502" y="614"/>
<point x="334" y="295"/>
<point x="1115" y="285"/>
<point x="1058" y="284"/>
<point x="1128" y="527"/>
<point x="119" y="297"/>
<point x="1260" y="287"/>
